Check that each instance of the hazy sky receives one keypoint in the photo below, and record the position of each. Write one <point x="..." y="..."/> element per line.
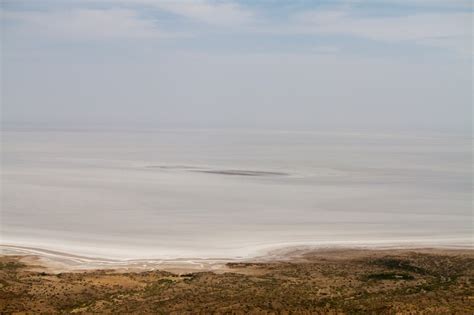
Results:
<point x="305" y="64"/>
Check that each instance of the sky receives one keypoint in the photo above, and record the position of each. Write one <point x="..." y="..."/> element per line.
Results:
<point x="253" y="64"/>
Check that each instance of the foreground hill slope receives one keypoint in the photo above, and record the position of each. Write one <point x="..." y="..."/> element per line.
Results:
<point x="351" y="281"/>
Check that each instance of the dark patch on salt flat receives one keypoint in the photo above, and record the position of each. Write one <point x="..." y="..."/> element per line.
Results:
<point x="241" y="172"/>
<point x="191" y="168"/>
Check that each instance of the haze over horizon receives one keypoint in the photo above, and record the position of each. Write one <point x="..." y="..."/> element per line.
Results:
<point x="296" y="64"/>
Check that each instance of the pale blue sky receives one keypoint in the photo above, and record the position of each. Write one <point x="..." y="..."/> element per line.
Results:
<point x="305" y="64"/>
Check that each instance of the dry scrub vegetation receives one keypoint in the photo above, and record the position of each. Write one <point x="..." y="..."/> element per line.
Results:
<point x="362" y="282"/>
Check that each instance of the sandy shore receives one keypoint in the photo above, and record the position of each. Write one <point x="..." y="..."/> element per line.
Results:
<point x="56" y="261"/>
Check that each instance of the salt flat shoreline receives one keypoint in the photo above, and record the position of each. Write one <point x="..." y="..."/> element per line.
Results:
<point x="57" y="261"/>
